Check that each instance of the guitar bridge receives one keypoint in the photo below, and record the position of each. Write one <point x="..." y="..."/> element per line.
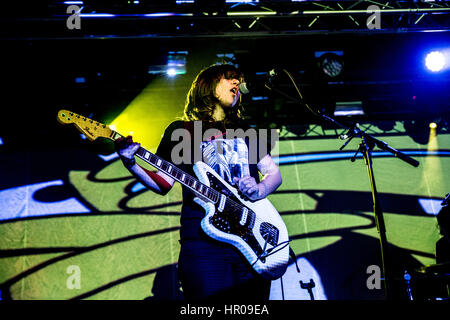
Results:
<point x="270" y="233"/>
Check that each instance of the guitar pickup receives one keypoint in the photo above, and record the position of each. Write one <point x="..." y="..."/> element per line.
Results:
<point x="244" y="216"/>
<point x="221" y="205"/>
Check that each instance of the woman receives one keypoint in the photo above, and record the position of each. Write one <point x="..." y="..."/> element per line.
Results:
<point x="209" y="269"/>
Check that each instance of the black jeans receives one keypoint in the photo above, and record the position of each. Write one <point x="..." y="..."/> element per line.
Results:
<point x="210" y="270"/>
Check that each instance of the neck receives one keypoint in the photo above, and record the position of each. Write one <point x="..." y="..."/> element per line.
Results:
<point x="219" y="113"/>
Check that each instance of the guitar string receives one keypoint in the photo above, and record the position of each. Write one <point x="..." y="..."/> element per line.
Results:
<point x="237" y="207"/>
<point x="178" y="173"/>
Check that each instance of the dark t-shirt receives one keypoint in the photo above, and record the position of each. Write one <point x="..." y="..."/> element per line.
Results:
<point x="231" y="152"/>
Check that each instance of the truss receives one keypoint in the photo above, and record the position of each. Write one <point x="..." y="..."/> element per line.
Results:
<point x="383" y="128"/>
<point x="225" y="19"/>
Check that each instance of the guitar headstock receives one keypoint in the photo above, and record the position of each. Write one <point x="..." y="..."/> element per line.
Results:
<point x="90" y="128"/>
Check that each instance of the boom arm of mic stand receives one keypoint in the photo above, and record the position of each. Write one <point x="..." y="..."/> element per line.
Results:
<point x="380" y="144"/>
<point x="398" y="154"/>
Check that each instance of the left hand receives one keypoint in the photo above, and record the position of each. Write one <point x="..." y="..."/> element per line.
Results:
<point x="248" y="186"/>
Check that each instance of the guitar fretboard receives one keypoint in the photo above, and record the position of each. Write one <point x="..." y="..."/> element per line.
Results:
<point x="175" y="173"/>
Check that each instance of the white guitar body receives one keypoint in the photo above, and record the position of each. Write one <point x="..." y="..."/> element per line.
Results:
<point x="247" y="228"/>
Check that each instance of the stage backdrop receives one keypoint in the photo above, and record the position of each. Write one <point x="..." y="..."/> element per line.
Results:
<point x="75" y="224"/>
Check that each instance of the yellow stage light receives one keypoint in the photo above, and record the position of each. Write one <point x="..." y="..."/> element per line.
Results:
<point x="151" y="111"/>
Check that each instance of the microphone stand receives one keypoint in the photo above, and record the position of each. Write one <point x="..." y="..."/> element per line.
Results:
<point x="366" y="147"/>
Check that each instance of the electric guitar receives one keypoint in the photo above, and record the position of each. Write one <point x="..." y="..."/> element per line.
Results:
<point x="255" y="228"/>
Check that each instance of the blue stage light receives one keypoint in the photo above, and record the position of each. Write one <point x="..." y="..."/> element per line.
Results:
<point x="435" y="61"/>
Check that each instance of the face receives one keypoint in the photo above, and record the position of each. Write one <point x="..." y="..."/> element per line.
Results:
<point x="227" y="92"/>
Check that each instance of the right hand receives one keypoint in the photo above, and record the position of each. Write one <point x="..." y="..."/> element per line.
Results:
<point x="125" y="147"/>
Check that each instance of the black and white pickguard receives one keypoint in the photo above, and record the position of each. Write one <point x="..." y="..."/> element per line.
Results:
<point x="255" y="228"/>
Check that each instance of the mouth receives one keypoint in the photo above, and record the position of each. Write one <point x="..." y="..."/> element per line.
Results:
<point x="234" y="90"/>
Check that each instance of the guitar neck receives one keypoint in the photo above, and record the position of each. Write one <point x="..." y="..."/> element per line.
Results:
<point x="174" y="172"/>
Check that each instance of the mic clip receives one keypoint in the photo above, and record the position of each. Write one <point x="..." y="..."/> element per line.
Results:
<point x="350" y="134"/>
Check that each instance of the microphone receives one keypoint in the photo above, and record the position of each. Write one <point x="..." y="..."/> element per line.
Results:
<point x="247" y="87"/>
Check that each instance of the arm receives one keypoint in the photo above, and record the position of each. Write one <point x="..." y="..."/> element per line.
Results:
<point x="271" y="181"/>
<point x="158" y="182"/>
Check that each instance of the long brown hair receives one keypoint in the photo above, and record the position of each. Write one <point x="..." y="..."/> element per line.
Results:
<point x="200" y="100"/>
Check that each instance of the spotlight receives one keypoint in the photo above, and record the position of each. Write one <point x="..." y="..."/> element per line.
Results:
<point x="433" y="125"/>
<point x="176" y="64"/>
<point x="171" y="72"/>
<point x="435" y="61"/>
<point x="331" y="63"/>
